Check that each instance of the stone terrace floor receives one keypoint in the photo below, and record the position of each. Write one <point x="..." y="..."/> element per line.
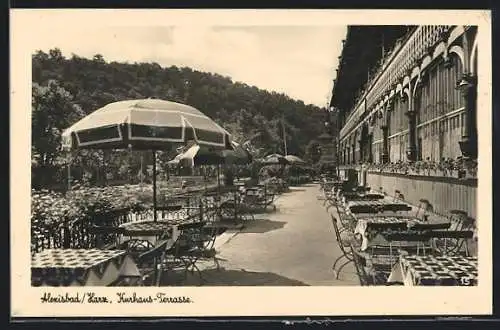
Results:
<point x="292" y="246"/>
<point x="295" y="245"/>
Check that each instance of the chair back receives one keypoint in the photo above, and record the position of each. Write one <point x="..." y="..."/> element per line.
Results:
<point x="396" y="195"/>
<point x="345" y="218"/>
<point x="106" y="237"/>
<point x="149" y="262"/>
<point x="424" y="206"/>
<point x="450" y="242"/>
<point x="336" y="229"/>
<point x="459" y="219"/>
<point x="159" y="248"/>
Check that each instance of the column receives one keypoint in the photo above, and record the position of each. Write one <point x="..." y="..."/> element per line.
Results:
<point x="411" y="150"/>
<point x="361" y="151"/>
<point x="468" y="143"/>
<point x="353" y="160"/>
<point x="385" y="144"/>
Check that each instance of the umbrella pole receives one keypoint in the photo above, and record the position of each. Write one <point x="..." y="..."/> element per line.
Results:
<point x="69" y="170"/>
<point x="154" y="185"/>
<point x="218" y="178"/>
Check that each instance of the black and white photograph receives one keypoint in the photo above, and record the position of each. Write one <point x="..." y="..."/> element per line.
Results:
<point x="171" y="155"/>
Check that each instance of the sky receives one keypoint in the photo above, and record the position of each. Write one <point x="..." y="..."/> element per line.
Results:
<point x="298" y="60"/>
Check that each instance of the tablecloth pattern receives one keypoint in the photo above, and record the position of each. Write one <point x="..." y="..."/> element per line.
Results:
<point x="154" y="227"/>
<point x="81" y="267"/>
<point x="151" y="231"/>
<point x="374" y="206"/>
<point x="364" y="197"/>
<point x="435" y="271"/>
<point x="373" y="236"/>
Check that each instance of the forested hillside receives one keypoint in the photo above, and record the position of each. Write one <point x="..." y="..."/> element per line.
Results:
<point x="66" y="89"/>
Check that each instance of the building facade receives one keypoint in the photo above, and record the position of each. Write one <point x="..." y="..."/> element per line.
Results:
<point x="406" y="99"/>
<point x="418" y="101"/>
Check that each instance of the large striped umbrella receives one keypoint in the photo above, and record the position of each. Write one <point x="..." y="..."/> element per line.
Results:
<point x="146" y="124"/>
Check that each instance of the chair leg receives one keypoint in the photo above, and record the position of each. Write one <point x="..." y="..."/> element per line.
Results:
<point x="341" y="267"/>
<point x="337" y="260"/>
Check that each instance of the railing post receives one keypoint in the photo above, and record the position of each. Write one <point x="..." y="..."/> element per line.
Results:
<point x="66" y="238"/>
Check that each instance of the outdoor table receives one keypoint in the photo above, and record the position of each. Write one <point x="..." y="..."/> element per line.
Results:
<point x="255" y="191"/>
<point x="375" y="206"/>
<point x="367" y="228"/>
<point x="363" y="197"/>
<point x="150" y="231"/>
<point x="432" y="270"/>
<point x="81" y="267"/>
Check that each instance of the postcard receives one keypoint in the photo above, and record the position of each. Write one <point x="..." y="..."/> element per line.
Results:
<point x="222" y="163"/>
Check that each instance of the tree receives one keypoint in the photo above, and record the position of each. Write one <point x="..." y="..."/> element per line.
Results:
<point x="247" y="112"/>
<point x="53" y="110"/>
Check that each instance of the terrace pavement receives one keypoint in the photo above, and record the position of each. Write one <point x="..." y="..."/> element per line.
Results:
<point x="295" y="245"/>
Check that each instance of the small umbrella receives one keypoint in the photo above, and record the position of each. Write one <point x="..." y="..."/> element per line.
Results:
<point x="175" y="161"/>
<point x="147" y="124"/>
<point x="238" y="156"/>
<point x="275" y="159"/>
<point x="197" y="155"/>
<point x="294" y="159"/>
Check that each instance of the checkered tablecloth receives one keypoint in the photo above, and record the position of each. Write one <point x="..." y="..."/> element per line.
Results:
<point x="435" y="270"/>
<point x="150" y="227"/>
<point x="372" y="236"/>
<point x="365" y="197"/>
<point x="374" y="206"/>
<point x="80" y="267"/>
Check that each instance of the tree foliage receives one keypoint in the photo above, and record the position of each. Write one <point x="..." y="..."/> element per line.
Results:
<point x="66" y="89"/>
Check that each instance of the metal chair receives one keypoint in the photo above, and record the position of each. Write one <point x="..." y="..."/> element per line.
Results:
<point x="452" y="242"/>
<point x="106" y="237"/>
<point x="424" y="206"/>
<point x="359" y="265"/>
<point x="422" y="240"/>
<point x="344" y="244"/>
<point x="150" y="263"/>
